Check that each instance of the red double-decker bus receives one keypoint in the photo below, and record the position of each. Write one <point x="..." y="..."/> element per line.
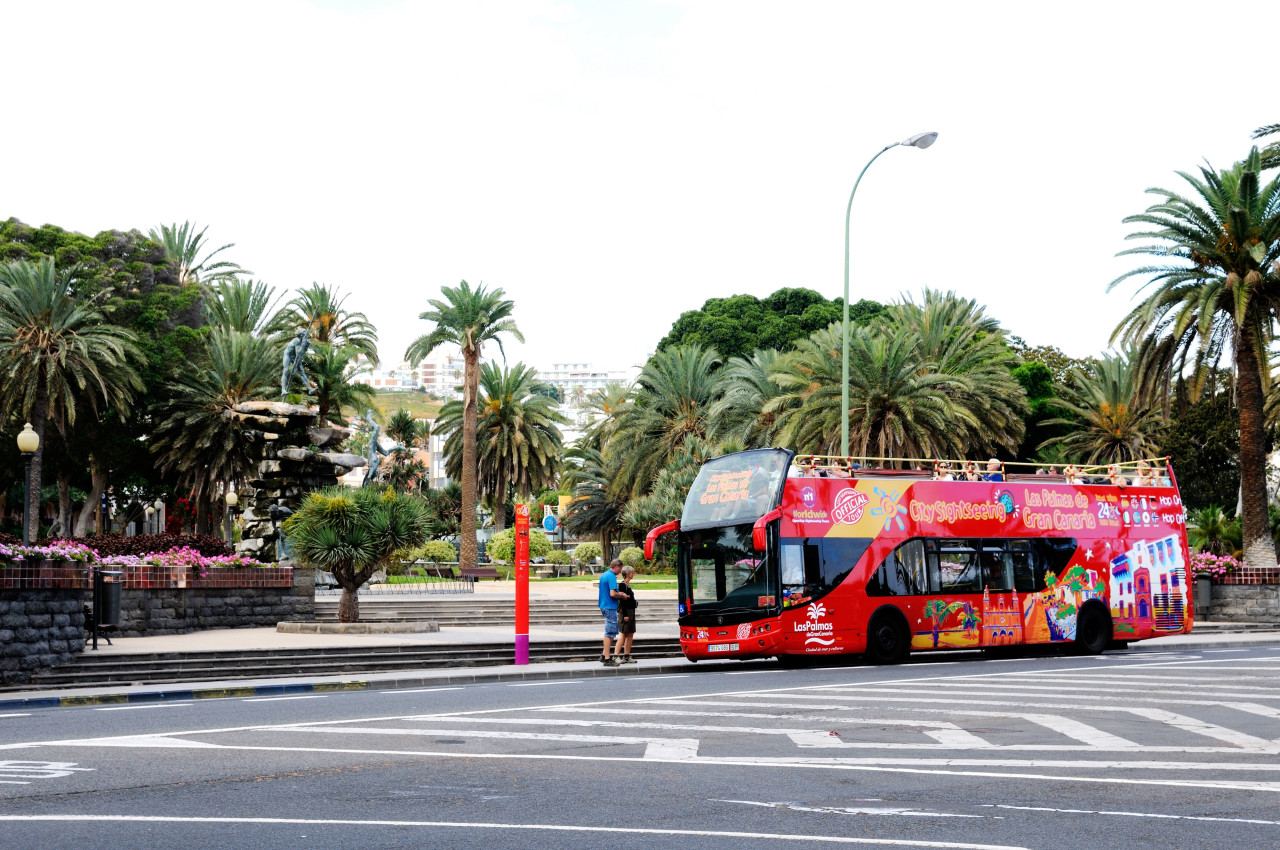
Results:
<point x="779" y="555"/>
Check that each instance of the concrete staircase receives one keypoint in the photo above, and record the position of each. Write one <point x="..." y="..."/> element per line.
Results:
<point x="489" y="612"/>
<point x="157" y="668"/>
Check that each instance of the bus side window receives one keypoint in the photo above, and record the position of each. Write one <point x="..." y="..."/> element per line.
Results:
<point x="1026" y="578"/>
<point x="812" y="566"/>
<point x="901" y="573"/>
<point x="792" y="564"/>
<point x="1055" y="553"/>
<point x="996" y="569"/>
<point x="839" y="556"/>
<point x="958" y="566"/>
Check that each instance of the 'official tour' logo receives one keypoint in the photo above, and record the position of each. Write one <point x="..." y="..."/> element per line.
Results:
<point x="849" y="506"/>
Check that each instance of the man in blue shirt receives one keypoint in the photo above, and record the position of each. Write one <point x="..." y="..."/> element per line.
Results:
<point x="609" y="608"/>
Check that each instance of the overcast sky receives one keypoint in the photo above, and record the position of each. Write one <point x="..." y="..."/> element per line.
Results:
<point x="612" y="164"/>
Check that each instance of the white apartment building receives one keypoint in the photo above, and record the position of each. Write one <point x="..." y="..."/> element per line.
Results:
<point x="440" y="374"/>
<point x="578" y="380"/>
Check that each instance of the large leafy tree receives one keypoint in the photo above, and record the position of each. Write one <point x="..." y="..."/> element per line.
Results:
<point x="1112" y="419"/>
<point x="1216" y="285"/>
<point x="350" y="533"/>
<point x="747" y="388"/>
<point x="196" y="437"/>
<point x="1203" y="443"/>
<point x="467" y="318"/>
<point x="194" y="262"/>
<point x="321" y="310"/>
<point x="518" y="439"/>
<point x="738" y="325"/>
<point x="597" y="508"/>
<point x="57" y="355"/>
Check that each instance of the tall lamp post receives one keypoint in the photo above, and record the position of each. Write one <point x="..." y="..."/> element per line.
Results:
<point x="232" y="499"/>
<point x="28" y="442"/>
<point x="922" y="141"/>
<point x="159" y="506"/>
<point x="150" y="511"/>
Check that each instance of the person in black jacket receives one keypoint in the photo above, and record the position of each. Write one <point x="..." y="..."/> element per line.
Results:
<point x="626" y="615"/>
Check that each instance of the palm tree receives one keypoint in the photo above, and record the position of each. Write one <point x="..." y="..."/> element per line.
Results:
<point x="403" y="471"/>
<point x="331" y="369"/>
<point x="404" y="429"/>
<point x="673" y="397"/>
<point x="596" y="508"/>
<point x="183" y="246"/>
<point x="518" y="439"/>
<point x="196" y="438"/>
<point x="1112" y="420"/>
<point x="1217" y="283"/>
<point x="350" y="533"/>
<point x="958" y="340"/>
<point x="1211" y="530"/>
<point x="319" y="309"/>
<point x="57" y="354"/>
<point x="248" y="306"/>
<point x="1271" y="153"/>
<point x="467" y="318"/>
<point x="748" y="387"/>
<point x="898" y="406"/>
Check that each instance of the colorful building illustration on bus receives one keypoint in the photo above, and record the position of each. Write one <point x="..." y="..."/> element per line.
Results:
<point x="1001" y="619"/>
<point x="1147" y="589"/>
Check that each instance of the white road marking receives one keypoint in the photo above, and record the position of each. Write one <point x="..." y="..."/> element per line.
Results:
<point x="27" y="770"/>
<point x="1157" y="815"/>
<point x="138" y="707"/>
<point x="1207" y="651"/>
<point x="15" y="715"/>
<point x="655" y="678"/>
<point x="655" y="748"/>
<point x="540" y="684"/>
<point x="1200" y="727"/>
<point x="419" y="690"/>
<point x="854" y="810"/>
<point x="538" y="827"/>
<point x="751" y="672"/>
<point x="948" y="739"/>
<point x="282" y="699"/>
<point x="165" y="741"/>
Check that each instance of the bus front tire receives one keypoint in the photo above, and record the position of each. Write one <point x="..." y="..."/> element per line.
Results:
<point x="1093" y="631"/>
<point x="887" y="640"/>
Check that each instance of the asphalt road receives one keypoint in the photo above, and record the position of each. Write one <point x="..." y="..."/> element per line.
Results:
<point x="1161" y="749"/>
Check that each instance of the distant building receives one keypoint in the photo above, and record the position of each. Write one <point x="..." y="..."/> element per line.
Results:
<point x="578" y="380"/>
<point x="439" y="374"/>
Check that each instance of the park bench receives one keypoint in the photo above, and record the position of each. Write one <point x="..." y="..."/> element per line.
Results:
<point x="325" y="579"/>
<point x="476" y="573"/>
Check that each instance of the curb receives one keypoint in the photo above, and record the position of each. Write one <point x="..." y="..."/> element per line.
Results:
<point x="394" y="683"/>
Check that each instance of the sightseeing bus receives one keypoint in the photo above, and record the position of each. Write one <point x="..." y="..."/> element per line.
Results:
<point x="805" y="557"/>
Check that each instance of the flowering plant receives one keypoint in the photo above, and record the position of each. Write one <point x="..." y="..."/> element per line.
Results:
<point x="183" y="556"/>
<point x="1208" y="565"/>
<point x="57" y="550"/>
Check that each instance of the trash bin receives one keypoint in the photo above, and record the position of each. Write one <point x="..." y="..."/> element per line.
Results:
<point x="1203" y="596"/>
<point x="106" y="597"/>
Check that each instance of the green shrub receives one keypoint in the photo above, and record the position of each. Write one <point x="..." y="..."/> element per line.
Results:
<point x="438" y="552"/>
<point x="560" y="557"/>
<point x="633" y="556"/>
<point x="587" y="552"/>
<point x="502" y="546"/>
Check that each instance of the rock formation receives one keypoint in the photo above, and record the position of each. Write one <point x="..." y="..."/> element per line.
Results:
<point x="292" y="456"/>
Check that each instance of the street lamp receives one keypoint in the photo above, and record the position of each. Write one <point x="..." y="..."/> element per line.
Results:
<point x="232" y="499"/>
<point x="28" y="443"/>
<point x="922" y="141"/>
<point x="159" y="506"/>
<point x="150" y="513"/>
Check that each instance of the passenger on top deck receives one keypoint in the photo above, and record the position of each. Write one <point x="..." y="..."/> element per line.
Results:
<point x="942" y="471"/>
<point x="1145" y="477"/>
<point x="993" y="471"/>
<point x="1073" y="474"/>
<point x="1114" y="476"/>
<point x="971" y="471"/>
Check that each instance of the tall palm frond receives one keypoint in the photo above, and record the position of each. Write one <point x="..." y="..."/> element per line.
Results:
<point x="320" y="309"/>
<point x="184" y="247"/>
<point x="247" y="306"/>
<point x="1114" y="421"/>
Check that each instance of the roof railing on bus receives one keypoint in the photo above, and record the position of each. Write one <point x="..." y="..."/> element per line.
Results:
<point x="1148" y="472"/>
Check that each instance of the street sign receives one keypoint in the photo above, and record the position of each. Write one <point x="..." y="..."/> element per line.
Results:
<point x="549" y="522"/>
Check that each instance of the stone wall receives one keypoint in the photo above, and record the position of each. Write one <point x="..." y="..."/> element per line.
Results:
<point x="1245" y="603"/>
<point x="191" y="607"/>
<point x="41" y="618"/>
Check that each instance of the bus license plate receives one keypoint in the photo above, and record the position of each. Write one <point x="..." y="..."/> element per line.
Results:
<point x="722" y="647"/>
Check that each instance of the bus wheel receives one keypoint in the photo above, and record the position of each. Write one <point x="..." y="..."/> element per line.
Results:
<point x="887" y="640"/>
<point x="1093" y="632"/>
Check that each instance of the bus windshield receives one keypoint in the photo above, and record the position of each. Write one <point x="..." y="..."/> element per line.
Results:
<point x="721" y="573"/>
<point x="736" y="488"/>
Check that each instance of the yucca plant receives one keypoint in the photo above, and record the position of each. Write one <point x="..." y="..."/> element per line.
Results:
<point x="351" y="533"/>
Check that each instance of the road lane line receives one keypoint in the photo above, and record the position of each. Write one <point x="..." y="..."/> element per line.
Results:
<point x="15" y="715"/>
<point x="663" y="748"/>
<point x="282" y="699"/>
<point x="1200" y="727"/>
<point x="1081" y="732"/>
<point x="541" y="684"/>
<point x="418" y="691"/>
<point x="139" y="707"/>
<point x="535" y="827"/>
<point x="1157" y="815"/>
